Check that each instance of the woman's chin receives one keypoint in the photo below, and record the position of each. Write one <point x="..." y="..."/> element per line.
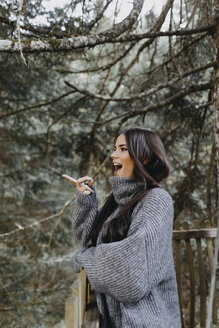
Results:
<point x="119" y="174"/>
<point x="122" y="175"/>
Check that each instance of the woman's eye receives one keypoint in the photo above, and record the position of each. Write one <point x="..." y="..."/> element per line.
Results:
<point x="122" y="149"/>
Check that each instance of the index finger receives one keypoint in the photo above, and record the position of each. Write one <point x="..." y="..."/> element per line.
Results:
<point x="72" y="180"/>
<point x="84" y="179"/>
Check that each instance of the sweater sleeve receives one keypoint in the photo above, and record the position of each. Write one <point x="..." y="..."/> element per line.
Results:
<point x="128" y="269"/>
<point x="84" y="216"/>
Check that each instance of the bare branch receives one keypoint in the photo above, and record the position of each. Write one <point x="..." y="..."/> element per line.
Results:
<point x="142" y="94"/>
<point x="147" y="109"/>
<point x="158" y="23"/>
<point x="68" y="44"/>
<point x="90" y="25"/>
<point x="101" y="68"/>
<point x="47" y="31"/>
<point x="6" y="234"/>
<point x="36" y="106"/>
<point x="59" y="214"/>
<point x="178" y="53"/>
<point x="55" y="121"/>
<point x="18" y="30"/>
<point x="149" y="35"/>
<point x="127" y="38"/>
<point x="167" y="101"/>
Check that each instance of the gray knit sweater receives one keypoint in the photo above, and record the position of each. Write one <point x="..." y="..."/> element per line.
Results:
<point x="134" y="279"/>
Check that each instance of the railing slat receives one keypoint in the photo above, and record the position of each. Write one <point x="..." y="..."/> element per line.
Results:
<point x="178" y="269"/>
<point x="192" y="279"/>
<point x="202" y="287"/>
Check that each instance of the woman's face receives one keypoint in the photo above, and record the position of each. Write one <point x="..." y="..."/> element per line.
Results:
<point x="123" y="164"/>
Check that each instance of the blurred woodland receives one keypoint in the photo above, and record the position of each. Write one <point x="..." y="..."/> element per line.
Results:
<point x="66" y="88"/>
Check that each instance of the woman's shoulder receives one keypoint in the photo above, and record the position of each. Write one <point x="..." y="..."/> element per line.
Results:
<point x="155" y="207"/>
<point x="158" y="192"/>
<point x="156" y="196"/>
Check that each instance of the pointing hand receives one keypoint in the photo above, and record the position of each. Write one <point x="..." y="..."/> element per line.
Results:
<point x="83" y="184"/>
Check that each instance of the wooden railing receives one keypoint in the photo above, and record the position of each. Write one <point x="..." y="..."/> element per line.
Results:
<point x="193" y="249"/>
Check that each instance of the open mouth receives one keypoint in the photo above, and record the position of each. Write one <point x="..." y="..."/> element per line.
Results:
<point x="117" y="168"/>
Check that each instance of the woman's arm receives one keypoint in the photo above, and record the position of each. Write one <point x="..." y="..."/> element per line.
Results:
<point x="86" y="210"/>
<point x="84" y="216"/>
<point x="129" y="268"/>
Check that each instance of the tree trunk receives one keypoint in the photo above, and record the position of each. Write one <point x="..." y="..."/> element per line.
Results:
<point x="215" y="40"/>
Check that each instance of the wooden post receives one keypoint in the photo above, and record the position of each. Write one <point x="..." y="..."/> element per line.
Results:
<point x="210" y="249"/>
<point x="202" y="286"/>
<point x="83" y="293"/>
<point x="76" y="290"/>
<point x="71" y="312"/>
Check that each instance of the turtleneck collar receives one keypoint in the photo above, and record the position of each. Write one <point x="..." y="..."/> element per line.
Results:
<point x="124" y="188"/>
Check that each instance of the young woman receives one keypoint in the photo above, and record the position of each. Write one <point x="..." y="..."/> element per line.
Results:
<point x="127" y="244"/>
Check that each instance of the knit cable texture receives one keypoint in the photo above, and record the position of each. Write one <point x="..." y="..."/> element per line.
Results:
<point x="134" y="279"/>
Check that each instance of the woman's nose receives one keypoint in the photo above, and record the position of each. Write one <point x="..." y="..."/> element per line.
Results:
<point x="113" y="154"/>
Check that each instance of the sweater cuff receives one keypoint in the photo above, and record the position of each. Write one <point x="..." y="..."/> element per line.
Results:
<point x="77" y="265"/>
<point x="87" y="260"/>
<point x="83" y="199"/>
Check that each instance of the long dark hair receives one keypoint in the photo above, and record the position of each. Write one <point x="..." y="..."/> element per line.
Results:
<point x="151" y="166"/>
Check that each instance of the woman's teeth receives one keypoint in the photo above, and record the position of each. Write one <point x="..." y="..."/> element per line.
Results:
<point x="117" y="167"/>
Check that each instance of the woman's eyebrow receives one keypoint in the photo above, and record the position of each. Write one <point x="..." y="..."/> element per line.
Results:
<point x="121" y="145"/>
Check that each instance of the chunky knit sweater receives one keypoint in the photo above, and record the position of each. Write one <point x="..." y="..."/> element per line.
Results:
<point x="134" y="279"/>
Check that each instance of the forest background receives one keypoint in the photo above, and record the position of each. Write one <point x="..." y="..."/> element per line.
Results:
<point x="71" y="77"/>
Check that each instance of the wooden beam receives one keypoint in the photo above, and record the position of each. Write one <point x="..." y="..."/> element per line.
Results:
<point x="194" y="233"/>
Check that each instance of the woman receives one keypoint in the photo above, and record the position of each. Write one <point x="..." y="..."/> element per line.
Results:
<point x="127" y="245"/>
